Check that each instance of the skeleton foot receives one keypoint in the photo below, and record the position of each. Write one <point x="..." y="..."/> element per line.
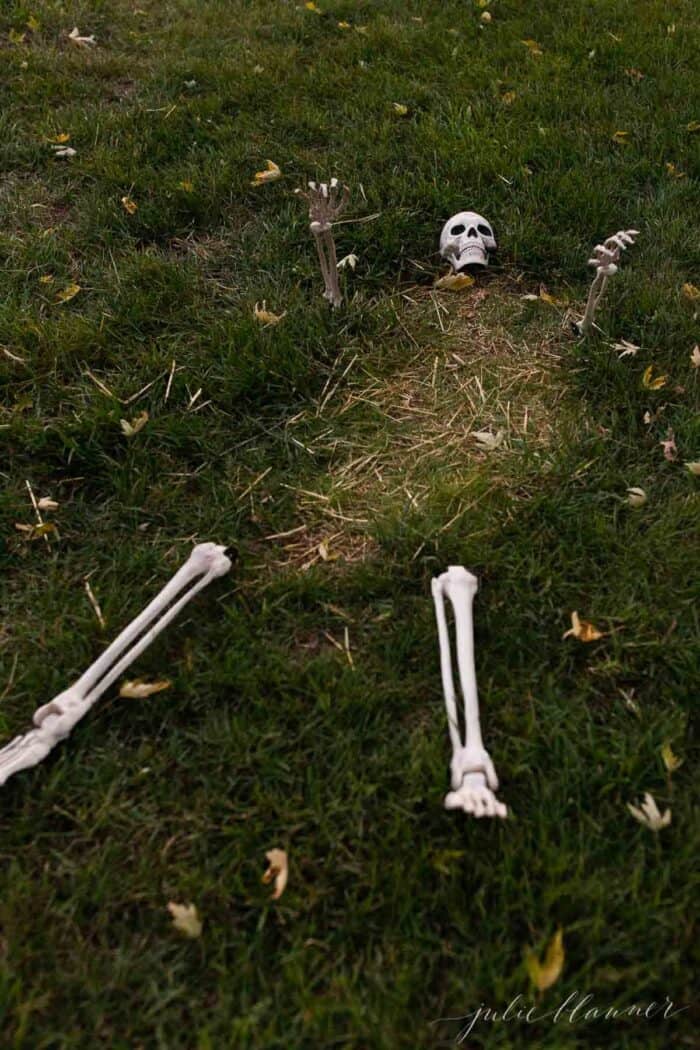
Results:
<point x="475" y="797"/>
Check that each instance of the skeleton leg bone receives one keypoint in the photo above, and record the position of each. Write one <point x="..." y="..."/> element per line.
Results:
<point x="55" y="720"/>
<point x="474" y="780"/>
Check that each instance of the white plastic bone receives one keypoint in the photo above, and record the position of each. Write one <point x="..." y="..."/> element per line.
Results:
<point x="55" y="720"/>
<point x="473" y="777"/>
<point x="605" y="259"/>
<point x="326" y="203"/>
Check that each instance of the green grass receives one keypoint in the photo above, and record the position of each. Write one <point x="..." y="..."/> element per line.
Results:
<point x="352" y="428"/>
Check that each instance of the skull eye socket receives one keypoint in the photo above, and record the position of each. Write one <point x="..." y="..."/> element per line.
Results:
<point x="484" y="229"/>
<point x="459" y="228"/>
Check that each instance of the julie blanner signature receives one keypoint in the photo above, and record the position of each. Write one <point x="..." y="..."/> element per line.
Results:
<point x="577" y="1008"/>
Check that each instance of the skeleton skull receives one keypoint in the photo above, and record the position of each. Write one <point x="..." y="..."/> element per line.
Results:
<point x="466" y="240"/>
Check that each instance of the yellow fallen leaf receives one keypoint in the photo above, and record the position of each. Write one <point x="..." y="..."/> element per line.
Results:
<point x="139" y="689"/>
<point x="129" y="205"/>
<point x="482" y="3"/>
<point x="533" y="47"/>
<point x="652" y="382"/>
<point x="48" y="278"/>
<point x="508" y="97"/>
<point x="582" y="629"/>
<point x="136" y="424"/>
<point x="621" y="137"/>
<point x="271" y="174"/>
<point x="671" y="761"/>
<point x="68" y="293"/>
<point x="344" y="25"/>
<point x="278" y="869"/>
<point x="400" y="108"/>
<point x="694" y="468"/>
<point x="691" y="291"/>
<point x="266" y="317"/>
<point x="186" y="185"/>
<point x="694" y="125"/>
<point x="674" y="172"/>
<point x="186" y="919"/>
<point x="35" y="532"/>
<point x="547" y="298"/>
<point x="546" y="973"/>
<point x="34" y="24"/>
<point x="60" y="138"/>
<point x="17" y="37"/>
<point x="311" y="6"/>
<point x="455" y="282"/>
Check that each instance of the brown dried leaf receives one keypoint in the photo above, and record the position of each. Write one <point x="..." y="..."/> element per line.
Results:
<point x="278" y="870"/>
<point x="139" y="689"/>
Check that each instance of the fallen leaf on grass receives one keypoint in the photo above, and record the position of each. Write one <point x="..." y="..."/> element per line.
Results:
<point x="486" y="17"/>
<point x="65" y="151"/>
<point x="649" y="814"/>
<point x="691" y="291"/>
<point x="694" y="468"/>
<point x="695" y="357"/>
<point x="582" y="629"/>
<point x="311" y="6"/>
<point x="671" y="761"/>
<point x="344" y="25"/>
<point x="186" y="185"/>
<point x="400" y="109"/>
<point x="35" y="532"/>
<point x="136" y="424"/>
<point x="16" y="37"/>
<point x="634" y="74"/>
<point x="652" y="382"/>
<point x="139" y="689"/>
<point x="669" y="446"/>
<point x="625" y="349"/>
<point x="486" y="440"/>
<point x="59" y="139"/>
<point x="266" y="317"/>
<point x="348" y="260"/>
<point x="675" y="172"/>
<point x="271" y="174"/>
<point x="546" y="973"/>
<point x="68" y="293"/>
<point x="46" y="503"/>
<point x="81" y="41"/>
<point x="621" y="138"/>
<point x="130" y="206"/>
<point x="532" y="46"/>
<point x="278" y="870"/>
<point x="636" y="497"/>
<point x="694" y="125"/>
<point x="186" y="919"/>
<point x="508" y="97"/>
<point x="34" y="24"/>
<point x="455" y="282"/>
<point x="48" y="278"/>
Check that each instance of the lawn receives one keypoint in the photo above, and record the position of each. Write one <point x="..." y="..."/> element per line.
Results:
<point x="335" y="452"/>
